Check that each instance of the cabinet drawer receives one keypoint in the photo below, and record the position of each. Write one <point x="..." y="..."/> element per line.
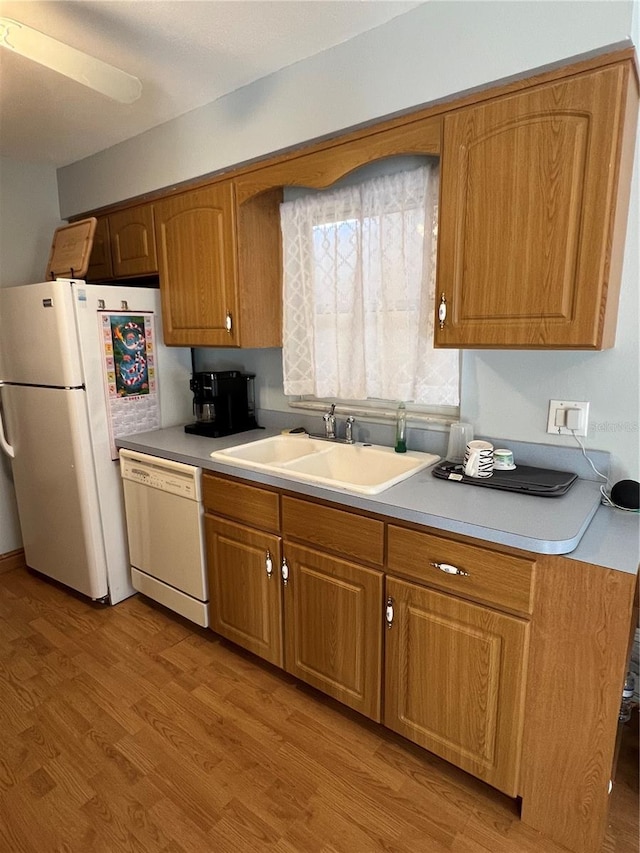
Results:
<point x="492" y="577"/>
<point x="240" y="501"/>
<point x="334" y="530"/>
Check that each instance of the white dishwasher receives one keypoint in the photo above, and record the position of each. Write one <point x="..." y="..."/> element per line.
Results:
<point x="163" y="506"/>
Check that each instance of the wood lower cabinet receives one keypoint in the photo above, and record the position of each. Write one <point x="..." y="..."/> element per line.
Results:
<point x="534" y="198"/>
<point x="455" y="676"/>
<point x="505" y="663"/>
<point x="317" y="614"/>
<point x="333" y="636"/>
<point x="219" y="268"/>
<point x="244" y="587"/>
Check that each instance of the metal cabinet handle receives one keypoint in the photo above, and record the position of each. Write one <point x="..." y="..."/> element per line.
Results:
<point x="449" y="569"/>
<point x="388" y="613"/>
<point x="284" y="571"/>
<point x="442" y="310"/>
<point x="268" y="564"/>
<point x="228" y="323"/>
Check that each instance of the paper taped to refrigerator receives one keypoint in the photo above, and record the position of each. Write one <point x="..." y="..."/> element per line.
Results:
<point x="128" y="344"/>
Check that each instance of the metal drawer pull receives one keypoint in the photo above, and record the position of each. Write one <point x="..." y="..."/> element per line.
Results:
<point x="228" y="322"/>
<point x="268" y="564"/>
<point x="442" y="310"/>
<point x="449" y="569"/>
<point x="284" y="571"/>
<point x="388" y="613"/>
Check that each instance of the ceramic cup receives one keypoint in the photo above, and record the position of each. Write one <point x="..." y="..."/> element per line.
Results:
<point x="460" y="434"/>
<point x="478" y="459"/>
<point x="503" y="459"/>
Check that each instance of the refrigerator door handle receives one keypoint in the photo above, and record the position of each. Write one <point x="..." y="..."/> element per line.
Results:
<point x="4" y="444"/>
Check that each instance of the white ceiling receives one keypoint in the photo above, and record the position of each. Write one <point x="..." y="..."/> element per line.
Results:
<point x="187" y="53"/>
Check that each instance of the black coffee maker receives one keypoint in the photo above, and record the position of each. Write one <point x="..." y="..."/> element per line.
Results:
<point x="223" y="403"/>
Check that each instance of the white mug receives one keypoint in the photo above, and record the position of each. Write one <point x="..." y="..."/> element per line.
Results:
<point x="478" y="459"/>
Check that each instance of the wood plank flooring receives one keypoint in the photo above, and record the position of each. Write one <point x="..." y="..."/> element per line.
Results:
<point x="127" y="729"/>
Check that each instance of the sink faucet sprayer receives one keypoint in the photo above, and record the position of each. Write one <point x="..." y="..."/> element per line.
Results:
<point x="348" y="429"/>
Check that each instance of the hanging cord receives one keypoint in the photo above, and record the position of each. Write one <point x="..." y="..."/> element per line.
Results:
<point x="606" y="498"/>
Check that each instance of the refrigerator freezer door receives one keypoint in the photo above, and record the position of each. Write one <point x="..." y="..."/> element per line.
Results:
<point x="56" y="487"/>
<point x="39" y="341"/>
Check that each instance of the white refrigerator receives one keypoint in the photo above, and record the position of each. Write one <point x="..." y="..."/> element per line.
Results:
<point x="80" y="365"/>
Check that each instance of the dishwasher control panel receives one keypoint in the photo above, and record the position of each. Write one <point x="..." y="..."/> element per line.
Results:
<point x="163" y="474"/>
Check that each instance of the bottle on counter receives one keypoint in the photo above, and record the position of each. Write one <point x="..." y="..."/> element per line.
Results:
<point x="401" y="429"/>
<point x="627" y="698"/>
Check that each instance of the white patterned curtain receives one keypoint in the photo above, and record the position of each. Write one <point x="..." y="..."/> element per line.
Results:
<point x="359" y="293"/>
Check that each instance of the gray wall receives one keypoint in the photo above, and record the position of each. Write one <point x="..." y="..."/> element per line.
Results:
<point x="29" y="216"/>
<point x="430" y="53"/>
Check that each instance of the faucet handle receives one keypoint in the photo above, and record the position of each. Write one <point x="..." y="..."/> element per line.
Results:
<point x="329" y="419"/>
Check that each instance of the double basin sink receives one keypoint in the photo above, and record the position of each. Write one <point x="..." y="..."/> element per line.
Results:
<point x="362" y="468"/>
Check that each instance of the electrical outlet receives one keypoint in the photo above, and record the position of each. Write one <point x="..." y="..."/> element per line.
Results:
<point x="567" y="417"/>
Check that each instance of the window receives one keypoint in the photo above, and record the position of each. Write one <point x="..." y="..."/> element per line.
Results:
<point x="359" y="293"/>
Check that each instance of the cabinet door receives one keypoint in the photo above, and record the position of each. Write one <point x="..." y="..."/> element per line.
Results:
<point x="455" y="680"/>
<point x="244" y="587"/>
<point x="100" y="267"/>
<point x="133" y="242"/>
<point x="529" y="187"/>
<point x="333" y="627"/>
<point x="195" y="235"/>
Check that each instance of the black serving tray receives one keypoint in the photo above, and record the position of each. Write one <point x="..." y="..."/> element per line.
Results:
<point x="543" y="482"/>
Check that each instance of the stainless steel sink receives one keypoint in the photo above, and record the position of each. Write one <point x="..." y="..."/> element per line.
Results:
<point x="362" y="468"/>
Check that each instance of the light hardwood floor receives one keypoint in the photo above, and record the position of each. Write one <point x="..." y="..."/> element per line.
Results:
<point x="126" y="729"/>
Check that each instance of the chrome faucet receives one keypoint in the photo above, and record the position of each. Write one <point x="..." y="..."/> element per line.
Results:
<point x="348" y="429"/>
<point x="329" y="419"/>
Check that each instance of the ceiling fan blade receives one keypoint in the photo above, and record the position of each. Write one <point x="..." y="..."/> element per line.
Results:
<point x="63" y="58"/>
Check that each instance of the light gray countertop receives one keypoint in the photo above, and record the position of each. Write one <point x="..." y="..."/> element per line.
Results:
<point x="574" y="524"/>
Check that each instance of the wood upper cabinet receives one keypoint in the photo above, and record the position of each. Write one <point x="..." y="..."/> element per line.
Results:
<point x="124" y="245"/>
<point x="455" y="681"/>
<point x="333" y="627"/>
<point x="219" y="268"/>
<point x="133" y="242"/>
<point x="244" y="586"/>
<point x="198" y="267"/>
<point x="534" y="198"/>
<point x="100" y="266"/>
<point x="324" y="165"/>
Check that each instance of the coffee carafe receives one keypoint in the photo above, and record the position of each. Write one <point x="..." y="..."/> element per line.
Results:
<point x="223" y="403"/>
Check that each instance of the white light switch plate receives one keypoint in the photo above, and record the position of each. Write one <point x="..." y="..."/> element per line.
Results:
<point x="556" y="422"/>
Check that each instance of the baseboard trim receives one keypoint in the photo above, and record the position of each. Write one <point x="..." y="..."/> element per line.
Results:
<point x="12" y="560"/>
